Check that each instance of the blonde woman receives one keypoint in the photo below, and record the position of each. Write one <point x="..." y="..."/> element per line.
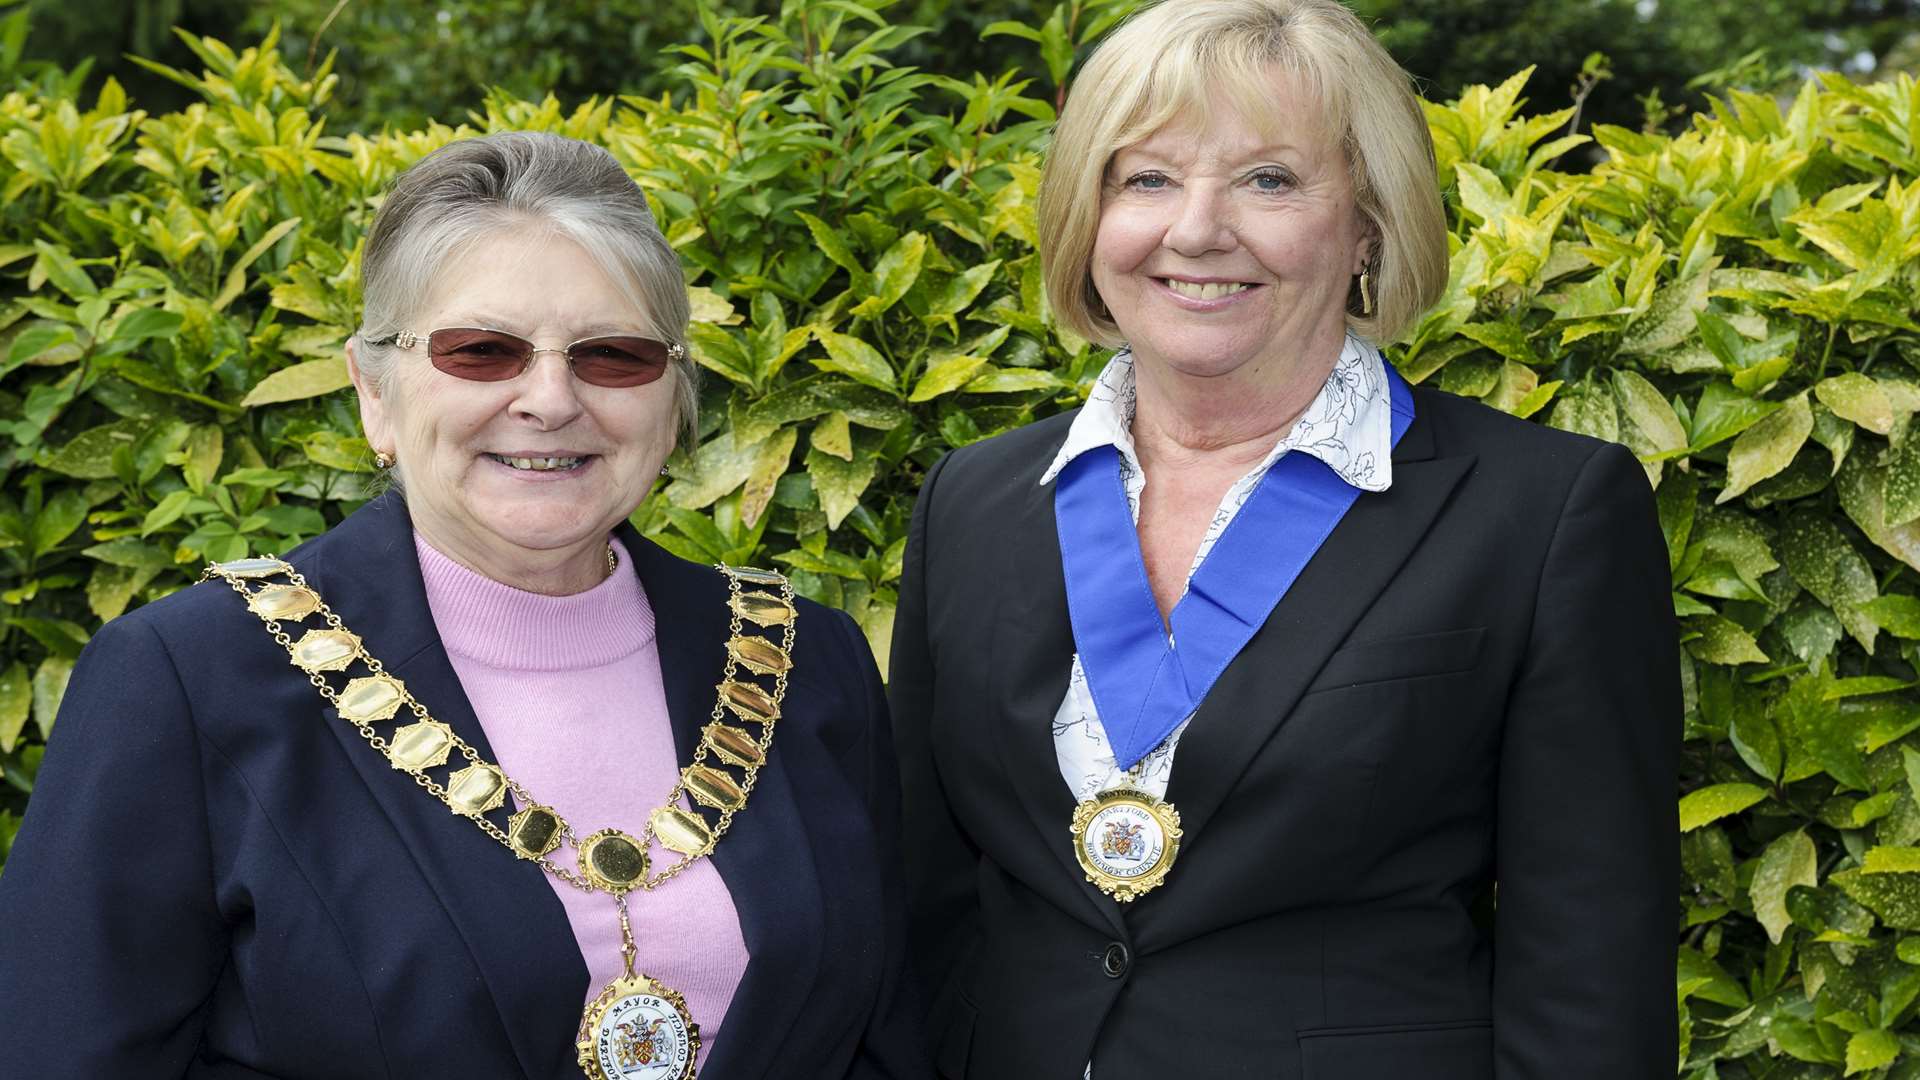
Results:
<point x="1229" y="702"/>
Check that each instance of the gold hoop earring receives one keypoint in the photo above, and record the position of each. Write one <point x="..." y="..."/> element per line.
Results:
<point x="382" y="460"/>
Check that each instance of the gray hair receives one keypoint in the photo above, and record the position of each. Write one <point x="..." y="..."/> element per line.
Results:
<point x="468" y="190"/>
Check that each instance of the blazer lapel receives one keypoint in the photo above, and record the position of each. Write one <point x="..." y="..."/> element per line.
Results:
<point x="1258" y="690"/>
<point x="500" y="906"/>
<point x="1033" y="656"/>
<point x="766" y="859"/>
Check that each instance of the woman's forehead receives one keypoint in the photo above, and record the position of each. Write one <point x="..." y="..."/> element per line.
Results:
<point x="1234" y="120"/>
<point x="528" y="280"/>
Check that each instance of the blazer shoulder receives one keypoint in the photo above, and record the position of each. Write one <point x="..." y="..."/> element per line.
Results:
<point x="189" y="620"/>
<point x="210" y="609"/>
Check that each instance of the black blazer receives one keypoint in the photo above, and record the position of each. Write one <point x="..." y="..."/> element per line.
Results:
<point x="216" y="877"/>
<point x="1475" y="679"/>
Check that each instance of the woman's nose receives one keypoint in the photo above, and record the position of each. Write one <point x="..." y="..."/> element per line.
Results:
<point x="549" y="394"/>
<point x="1201" y="222"/>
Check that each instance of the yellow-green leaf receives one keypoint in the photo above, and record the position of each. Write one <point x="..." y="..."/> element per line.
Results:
<point x="1669" y="318"/>
<point x="49" y="687"/>
<point x="832" y="245"/>
<point x="834" y="435"/>
<point x="1767" y="447"/>
<point x="204" y="449"/>
<point x="310" y="378"/>
<point x="109" y="588"/>
<point x="348" y="453"/>
<point x="1722" y="641"/>
<point x="237" y="276"/>
<point x="89" y="455"/>
<point x="1901" y="490"/>
<point x="946" y="376"/>
<point x="1891" y="860"/>
<point x="711" y="471"/>
<point x="855" y="359"/>
<point x="838" y="483"/>
<point x="961" y="290"/>
<point x="999" y="380"/>
<point x="895" y="273"/>
<point x="1897" y="614"/>
<point x="1649" y="411"/>
<point x="769" y="465"/>
<point x="1790" y="860"/>
<point x="1822" y="560"/>
<point x="1870" y="1050"/>
<point x="1855" y="397"/>
<point x="16" y="703"/>
<point x="55" y="265"/>
<point x="711" y="307"/>
<point x="1893" y="897"/>
<point x="1710" y="804"/>
<point x="877" y="623"/>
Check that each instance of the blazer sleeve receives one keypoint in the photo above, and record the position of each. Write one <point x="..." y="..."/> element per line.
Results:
<point x="941" y="864"/>
<point x="1587" y="845"/>
<point x="112" y="938"/>
<point x="893" y="1047"/>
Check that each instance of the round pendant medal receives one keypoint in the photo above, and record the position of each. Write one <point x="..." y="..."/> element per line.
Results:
<point x="1126" y="841"/>
<point x="638" y="1029"/>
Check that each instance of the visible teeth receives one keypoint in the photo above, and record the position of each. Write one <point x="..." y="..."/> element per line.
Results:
<point x="1211" y="290"/>
<point x="538" y="464"/>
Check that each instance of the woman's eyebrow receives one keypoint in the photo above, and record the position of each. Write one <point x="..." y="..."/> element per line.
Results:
<point x="491" y="321"/>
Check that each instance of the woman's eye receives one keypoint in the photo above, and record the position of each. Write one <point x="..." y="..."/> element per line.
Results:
<point x="1147" y="181"/>
<point x="1272" y="180"/>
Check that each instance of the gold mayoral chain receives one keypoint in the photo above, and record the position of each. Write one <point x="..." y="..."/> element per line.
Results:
<point x="1126" y="839"/>
<point x="636" y="1028"/>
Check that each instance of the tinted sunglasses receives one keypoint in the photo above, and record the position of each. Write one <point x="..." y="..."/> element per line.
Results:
<point x="480" y="355"/>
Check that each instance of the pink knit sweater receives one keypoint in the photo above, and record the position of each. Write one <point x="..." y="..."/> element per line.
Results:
<point x="568" y="691"/>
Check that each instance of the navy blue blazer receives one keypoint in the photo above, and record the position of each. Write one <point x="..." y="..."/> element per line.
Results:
<point x="1475" y="680"/>
<point x="216" y="877"/>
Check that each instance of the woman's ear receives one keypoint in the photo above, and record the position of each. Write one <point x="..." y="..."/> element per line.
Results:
<point x="1366" y="250"/>
<point x="373" y="408"/>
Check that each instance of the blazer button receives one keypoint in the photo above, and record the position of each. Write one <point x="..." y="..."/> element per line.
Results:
<point x="1115" y="961"/>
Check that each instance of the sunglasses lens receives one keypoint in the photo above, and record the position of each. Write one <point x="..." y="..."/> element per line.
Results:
<point x="479" y="355"/>
<point x="618" y="361"/>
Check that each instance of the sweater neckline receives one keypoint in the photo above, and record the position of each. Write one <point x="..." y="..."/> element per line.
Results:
<point x="496" y="624"/>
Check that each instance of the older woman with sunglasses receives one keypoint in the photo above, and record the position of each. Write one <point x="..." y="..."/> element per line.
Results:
<point x="480" y="782"/>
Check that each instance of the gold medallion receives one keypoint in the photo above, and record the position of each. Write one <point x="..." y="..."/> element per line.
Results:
<point x="1126" y="841"/>
<point x="637" y="1029"/>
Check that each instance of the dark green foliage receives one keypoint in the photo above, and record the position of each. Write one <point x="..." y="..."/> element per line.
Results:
<point x="405" y="62"/>
<point x="1736" y="304"/>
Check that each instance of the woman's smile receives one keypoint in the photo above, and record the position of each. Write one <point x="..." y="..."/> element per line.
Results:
<point x="544" y="466"/>
<point x="1206" y="294"/>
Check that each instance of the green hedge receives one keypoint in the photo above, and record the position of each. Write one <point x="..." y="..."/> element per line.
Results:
<point x="1736" y="304"/>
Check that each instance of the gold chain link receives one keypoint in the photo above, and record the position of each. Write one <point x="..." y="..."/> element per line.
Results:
<point x="651" y="880"/>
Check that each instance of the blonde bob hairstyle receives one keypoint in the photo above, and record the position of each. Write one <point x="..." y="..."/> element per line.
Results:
<point x="1171" y="60"/>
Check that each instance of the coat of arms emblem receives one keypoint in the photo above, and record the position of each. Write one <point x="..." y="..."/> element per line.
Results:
<point x="637" y="1044"/>
<point x="1122" y="840"/>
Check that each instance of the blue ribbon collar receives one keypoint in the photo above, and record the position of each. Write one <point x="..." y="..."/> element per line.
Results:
<point x="1142" y="684"/>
